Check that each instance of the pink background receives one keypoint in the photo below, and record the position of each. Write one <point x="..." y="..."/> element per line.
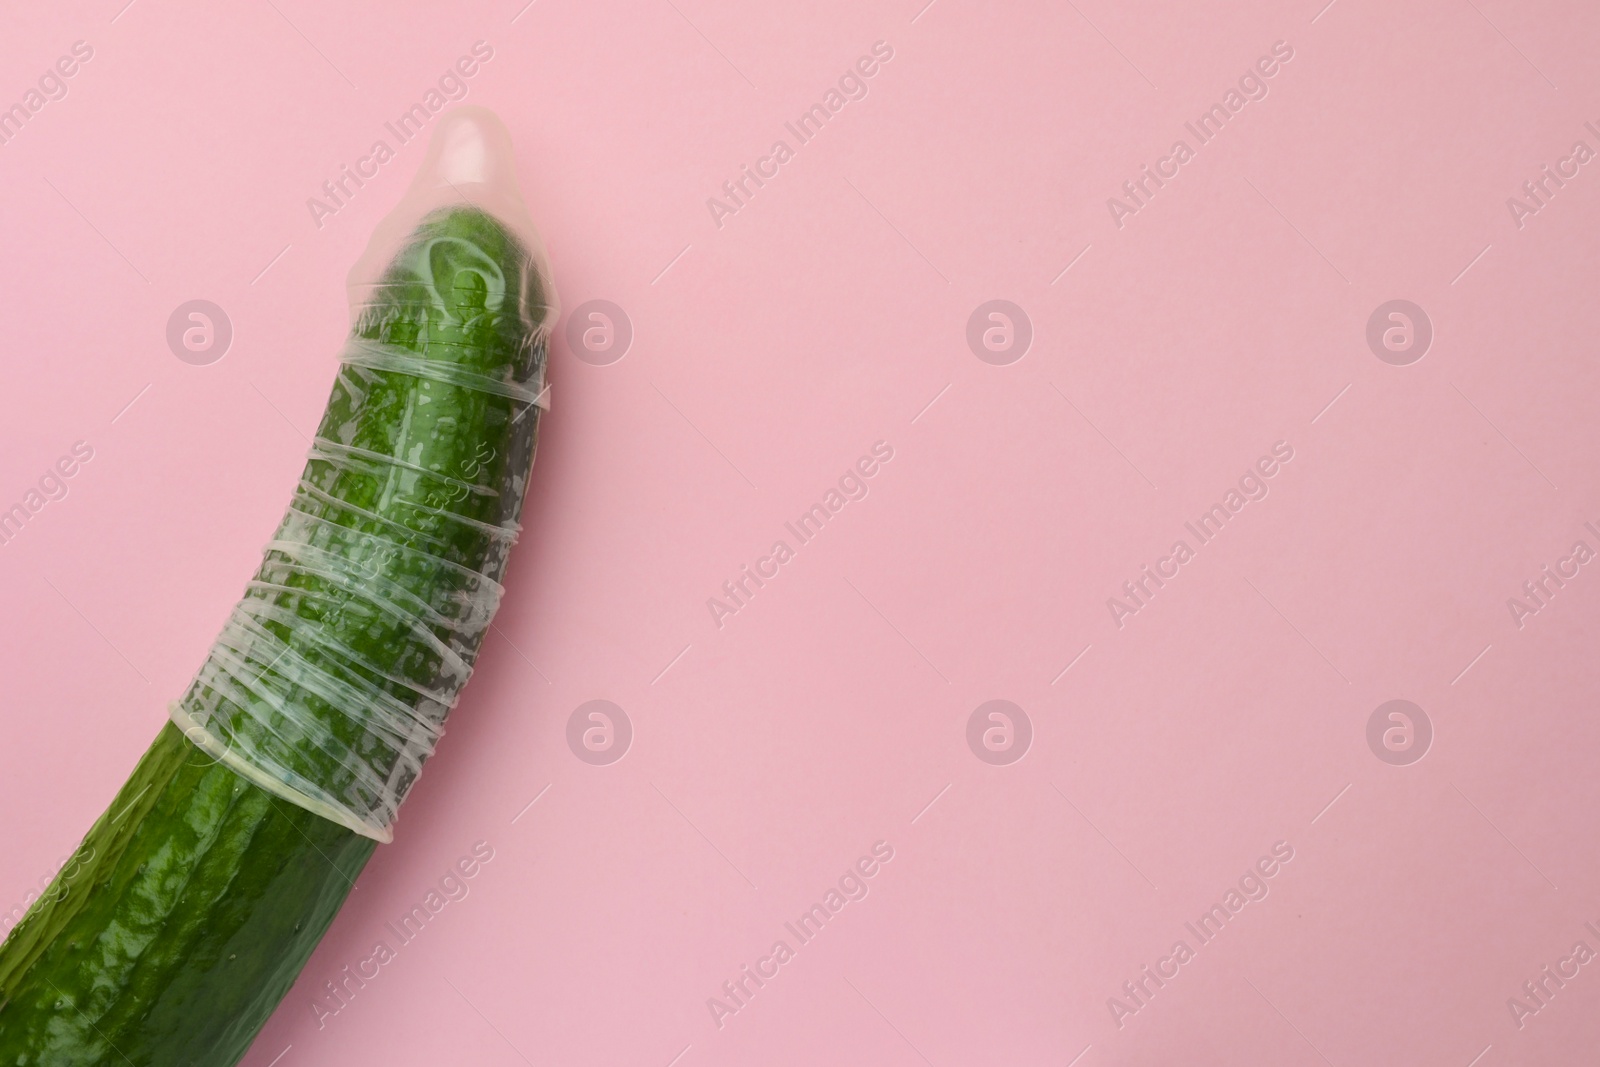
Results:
<point x="1227" y="715"/>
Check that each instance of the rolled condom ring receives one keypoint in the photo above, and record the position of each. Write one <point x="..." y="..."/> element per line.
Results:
<point x="331" y="679"/>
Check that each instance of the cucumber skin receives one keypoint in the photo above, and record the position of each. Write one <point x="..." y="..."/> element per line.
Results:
<point x="186" y="922"/>
<point x="198" y="897"/>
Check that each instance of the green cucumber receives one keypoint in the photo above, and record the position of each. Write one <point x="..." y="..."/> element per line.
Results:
<point x="198" y="896"/>
<point x="190" y="909"/>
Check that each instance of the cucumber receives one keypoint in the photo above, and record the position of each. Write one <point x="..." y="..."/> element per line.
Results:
<point x="188" y="912"/>
<point x="196" y="899"/>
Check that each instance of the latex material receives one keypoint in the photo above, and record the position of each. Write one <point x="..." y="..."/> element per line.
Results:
<point x="315" y="717"/>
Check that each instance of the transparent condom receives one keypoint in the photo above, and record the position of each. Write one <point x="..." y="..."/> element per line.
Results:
<point x="311" y="718"/>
